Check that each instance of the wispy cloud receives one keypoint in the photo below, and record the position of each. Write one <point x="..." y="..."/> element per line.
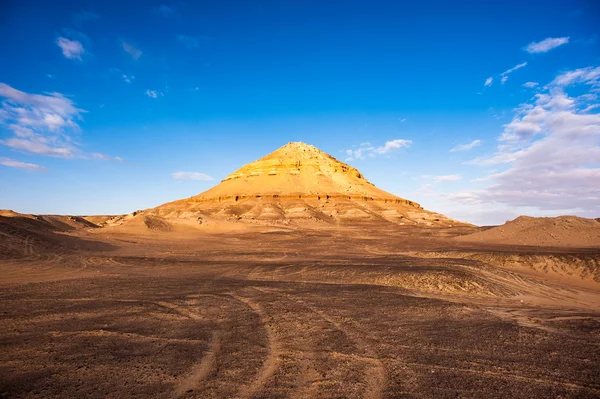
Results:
<point x="466" y="147"/>
<point x="367" y="150"/>
<point x="154" y="93"/>
<point x="11" y="163"/>
<point x="504" y="75"/>
<point x="105" y="157"/>
<point x="589" y="75"/>
<point x="590" y="107"/>
<point x="126" y="78"/>
<point x="71" y="49"/>
<point x="41" y="123"/>
<point x="191" y="176"/>
<point x="518" y="66"/>
<point x="37" y="144"/>
<point x="134" y="52"/>
<point x="530" y="85"/>
<point x="546" y="44"/>
<point x="393" y="145"/>
<point x="550" y="150"/>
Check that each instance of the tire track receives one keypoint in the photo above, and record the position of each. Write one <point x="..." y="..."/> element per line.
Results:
<point x="271" y="363"/>
<point x="199" y="373"/>
<point x="181" y="310"/>
<point x="376" y="376"/>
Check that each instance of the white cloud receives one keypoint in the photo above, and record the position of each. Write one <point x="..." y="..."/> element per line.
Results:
<point x="497" y="159"/>
<point x="126" y="78"/>
<point x="40" y="123"/>
<point x="367" y="150"/>
<point x="403" y="120"/>
<point x="504" y="75"/>
<point x="135" y="53"/>
<point x="37" y="145"/>
<point x="519" y="66"/>
<point x="466" y="147"/>
<point x="21" y="165"/>
<point x="589" y="108"/>
<point x="530" y="85"/>
<point x="551" y="152"/>
<point x="191" y="176"/>
<point x="587" y="75"/>
<point x="105" y="157"/>
<point x="71" y="49"/>
<point x="393" y="145"/>
<point x="154" y="93"/>
<point x="546" y="44"/>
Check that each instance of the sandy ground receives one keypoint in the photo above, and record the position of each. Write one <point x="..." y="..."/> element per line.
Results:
<point x="340" y="312"/>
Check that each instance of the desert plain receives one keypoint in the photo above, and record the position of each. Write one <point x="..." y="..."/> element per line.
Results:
<point x="309" y="283"/>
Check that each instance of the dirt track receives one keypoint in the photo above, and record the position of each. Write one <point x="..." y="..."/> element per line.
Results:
<point x="279" y="313"/>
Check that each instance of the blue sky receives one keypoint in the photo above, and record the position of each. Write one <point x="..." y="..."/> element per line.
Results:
<point x="478" y="110"/>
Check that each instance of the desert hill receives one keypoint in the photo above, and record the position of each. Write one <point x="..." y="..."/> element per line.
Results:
<point x="294" y="184"/>
<point x="563" y="231"/>
<point x="27" y="235"/>
<point x="298" y="170"/>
